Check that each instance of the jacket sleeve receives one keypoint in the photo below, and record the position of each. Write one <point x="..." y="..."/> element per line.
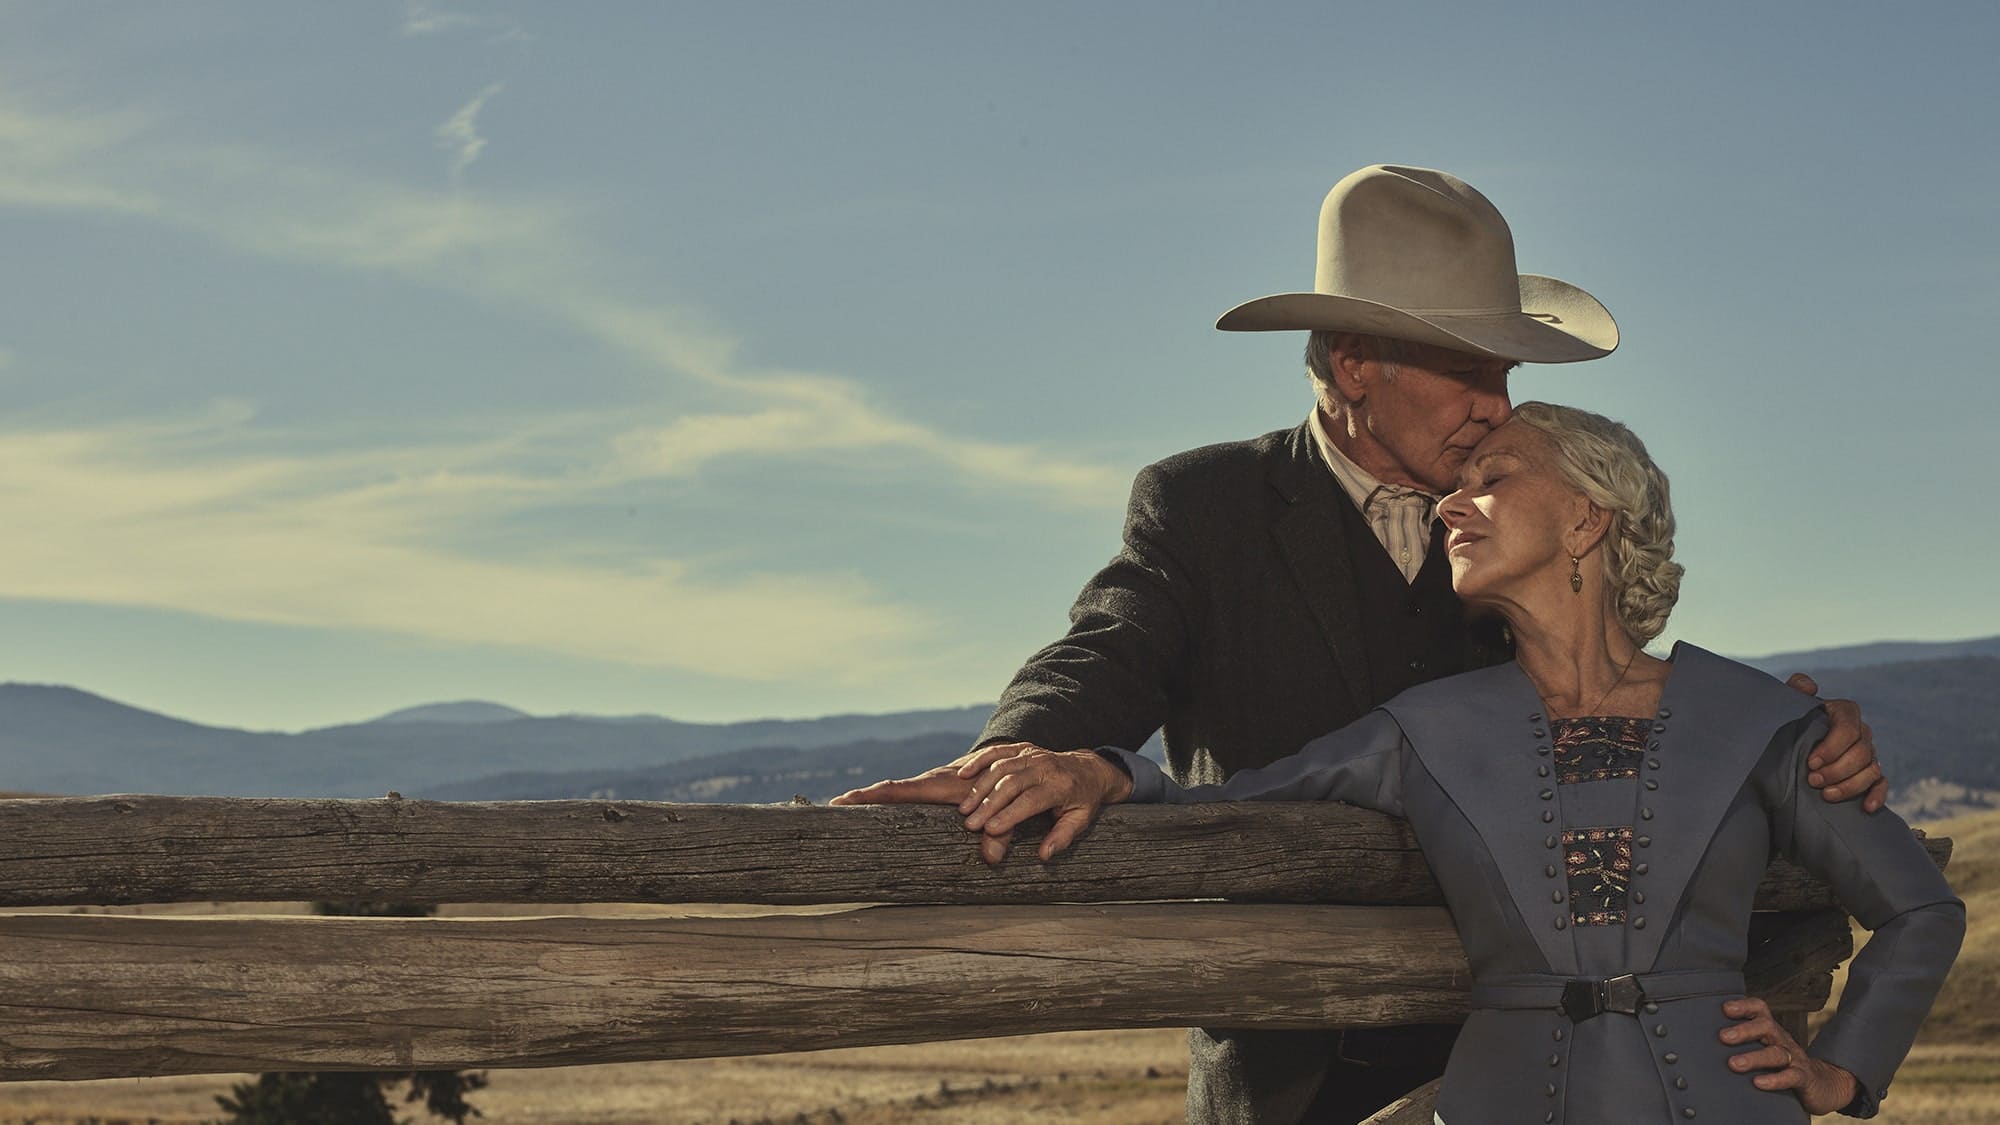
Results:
<point x="1109" y="680"/>
<point x="1888" y="882"/>
<point x="1362" y="764"/>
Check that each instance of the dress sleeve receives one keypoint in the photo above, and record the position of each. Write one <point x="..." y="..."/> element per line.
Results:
<point x="1888" y="882"/>
<point x="1362" y="764"/>
<point x="1109" y="679"/>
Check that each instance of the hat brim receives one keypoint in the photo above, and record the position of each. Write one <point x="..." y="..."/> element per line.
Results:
<point x="1558" y="323"/>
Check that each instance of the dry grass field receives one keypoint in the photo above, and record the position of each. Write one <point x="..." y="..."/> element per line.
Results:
<point x="1096" y="1078"/>
<point x="1093" y="1077"/>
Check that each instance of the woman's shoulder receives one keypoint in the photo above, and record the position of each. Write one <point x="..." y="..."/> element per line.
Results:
<point x="1475" y="697"/>
<point x="1718" y="689"/>
<point x="1701" y="686"/>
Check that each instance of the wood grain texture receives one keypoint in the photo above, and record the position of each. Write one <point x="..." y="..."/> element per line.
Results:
<point x="90" y="997"/>
<point x="98" y="996"/>
<point x="143" y="849"/>
<point x="1418" y="1107"/>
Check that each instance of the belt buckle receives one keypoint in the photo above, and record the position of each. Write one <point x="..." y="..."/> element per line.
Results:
<point x="1583" y="999"/>
<point x="1621" y="994"/>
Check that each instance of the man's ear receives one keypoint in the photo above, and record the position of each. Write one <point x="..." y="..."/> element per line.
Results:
<point x="1350" y="367"/>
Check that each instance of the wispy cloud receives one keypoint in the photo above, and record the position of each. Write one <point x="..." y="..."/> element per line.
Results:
<point x="420" y="18"/>
<point x="423" y="18"/>
<point x="459" y="135"/>
<point x="172" y="514"/>
<point x="352" y="540"/>
<point x="46" y="160"/>
<point x="523" y="256"/>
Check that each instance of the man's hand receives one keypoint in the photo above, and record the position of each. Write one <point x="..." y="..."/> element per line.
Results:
<point x="938" y="786"/>
<point x="1010" y="788"/>
<point x="949" y="784"/>
<point x="1843" y="765"/>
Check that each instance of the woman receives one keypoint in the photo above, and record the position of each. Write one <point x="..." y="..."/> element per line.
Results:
<point x="1598" y="819"/>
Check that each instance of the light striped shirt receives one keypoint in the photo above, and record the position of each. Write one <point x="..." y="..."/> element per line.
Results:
<point x="1400" y="517"/>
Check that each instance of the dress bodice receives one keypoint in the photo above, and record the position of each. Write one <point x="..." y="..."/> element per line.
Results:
<point x="1588" y="849"/>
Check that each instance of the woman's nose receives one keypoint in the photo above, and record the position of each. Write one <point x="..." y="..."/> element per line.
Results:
<point x="1453" y="509"/>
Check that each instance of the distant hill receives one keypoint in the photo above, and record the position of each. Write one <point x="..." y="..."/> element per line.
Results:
<point x="1968" y="1011"/>
<point x="467" y="711"/>
<point x="1817" y="660"/>
<point x="62" y="740"/>
<point x="1931" y="718"/>
<point x="1936" y="720"/>
<point x="760" y="775"/>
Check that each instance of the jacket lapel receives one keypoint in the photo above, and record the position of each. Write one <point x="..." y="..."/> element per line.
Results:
<point x="1716" y="720"/>
<point x="1309" y="536"/>
<point x="1483" y="738"/>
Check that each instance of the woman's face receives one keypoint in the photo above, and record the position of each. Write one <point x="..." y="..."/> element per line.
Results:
<point x="1510" y="519"/>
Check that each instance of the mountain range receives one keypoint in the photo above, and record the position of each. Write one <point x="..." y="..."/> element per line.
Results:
<point x="1934" y="708"/>
<point x="63" y="740"/>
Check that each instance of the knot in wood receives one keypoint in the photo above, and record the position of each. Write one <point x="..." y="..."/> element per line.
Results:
<point x="613" y="815"/>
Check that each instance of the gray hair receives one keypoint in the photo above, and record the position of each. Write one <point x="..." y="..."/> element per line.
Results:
<point x="1609" y="464"/>
<point x="1319" y="357"/>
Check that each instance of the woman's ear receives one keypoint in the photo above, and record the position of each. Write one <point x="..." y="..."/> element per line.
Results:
<point x="1591" y="524"/>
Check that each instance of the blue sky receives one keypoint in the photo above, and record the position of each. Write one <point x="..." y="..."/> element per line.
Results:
<point x="757" y="359"/>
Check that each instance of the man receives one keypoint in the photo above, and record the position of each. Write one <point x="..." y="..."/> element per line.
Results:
<point x="1271" y="590"/>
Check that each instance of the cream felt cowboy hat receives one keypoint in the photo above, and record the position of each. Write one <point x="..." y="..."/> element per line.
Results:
<point x="1416" y="254"/>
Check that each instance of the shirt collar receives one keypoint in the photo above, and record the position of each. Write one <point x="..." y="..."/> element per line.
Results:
<point x="1361" y="486"/>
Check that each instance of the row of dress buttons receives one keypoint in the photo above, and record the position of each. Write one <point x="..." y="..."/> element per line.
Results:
<point x="1670" y="1058"/>
<point x="1554" y="841"/>
<point x="1638" y="896"/>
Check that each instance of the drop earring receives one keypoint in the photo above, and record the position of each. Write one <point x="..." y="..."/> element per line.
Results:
<point x="1575" y="575"/>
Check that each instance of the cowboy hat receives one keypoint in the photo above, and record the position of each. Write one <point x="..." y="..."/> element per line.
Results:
<point x="1417" y="254"/>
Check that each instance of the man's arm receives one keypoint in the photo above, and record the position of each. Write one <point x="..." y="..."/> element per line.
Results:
<point x="1108" y="682"/>
<point x="1111" y="679"/>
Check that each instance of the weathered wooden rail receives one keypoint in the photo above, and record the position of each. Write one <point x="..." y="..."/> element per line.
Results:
<point x="1317" y="915"/>
<point x="104" y="851"/>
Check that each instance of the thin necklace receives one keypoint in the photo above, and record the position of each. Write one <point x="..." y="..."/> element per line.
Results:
<point x="1587" y="712"/>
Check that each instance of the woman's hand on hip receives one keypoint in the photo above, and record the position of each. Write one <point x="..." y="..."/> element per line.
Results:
<point x="1820" y="1086"/>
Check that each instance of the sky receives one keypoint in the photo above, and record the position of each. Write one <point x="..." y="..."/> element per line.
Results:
<point x="738" y="360"/>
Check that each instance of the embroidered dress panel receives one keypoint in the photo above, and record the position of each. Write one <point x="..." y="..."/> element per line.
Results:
<point x="1600" y="874"/>
<point x="1599" y="748"/>
<point x="1597" y="753"/>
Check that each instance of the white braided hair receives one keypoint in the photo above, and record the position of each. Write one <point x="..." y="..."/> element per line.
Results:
<point x="1609" y="464"/>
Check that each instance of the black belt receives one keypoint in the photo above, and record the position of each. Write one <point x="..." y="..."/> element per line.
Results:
<point x="1582" y="999"/>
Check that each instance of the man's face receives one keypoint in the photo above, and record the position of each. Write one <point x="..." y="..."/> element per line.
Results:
<point x="1426" y="419"/>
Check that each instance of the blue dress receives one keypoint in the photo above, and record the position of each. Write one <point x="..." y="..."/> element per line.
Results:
<point x="1626" y="854"/>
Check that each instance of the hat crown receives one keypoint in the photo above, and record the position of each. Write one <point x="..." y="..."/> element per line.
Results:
<point x="1416" y="239"/>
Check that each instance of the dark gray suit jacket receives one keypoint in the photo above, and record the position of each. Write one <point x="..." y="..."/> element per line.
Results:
<point x="1465" y="760"/>
<point x="1231" y="618"/>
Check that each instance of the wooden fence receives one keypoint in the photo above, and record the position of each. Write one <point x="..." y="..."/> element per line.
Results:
<point x="1237" y="915"/>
